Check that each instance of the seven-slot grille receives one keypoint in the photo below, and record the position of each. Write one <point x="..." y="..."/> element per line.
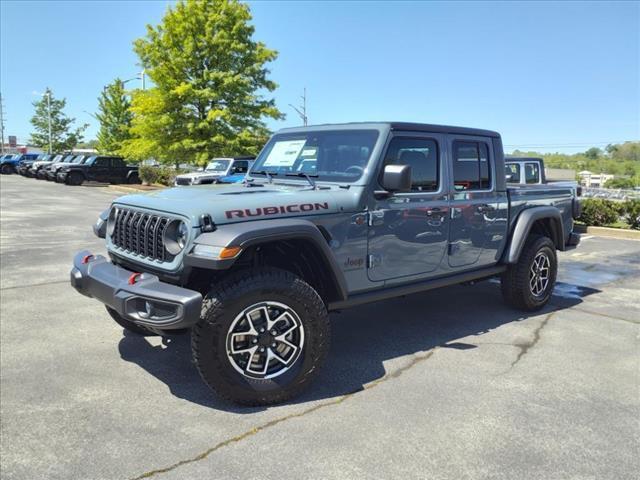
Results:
<point x="140" y="233"/>
<point x="183" y="181"/>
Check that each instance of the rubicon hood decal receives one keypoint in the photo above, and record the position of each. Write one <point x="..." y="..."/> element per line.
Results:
<point x="275" y="210"/>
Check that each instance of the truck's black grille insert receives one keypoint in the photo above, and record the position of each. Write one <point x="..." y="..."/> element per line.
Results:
<point x="140" y="233"/>
<point x="183" y="181"/>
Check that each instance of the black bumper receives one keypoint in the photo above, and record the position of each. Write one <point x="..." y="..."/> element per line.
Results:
<point x="144" y="300"/>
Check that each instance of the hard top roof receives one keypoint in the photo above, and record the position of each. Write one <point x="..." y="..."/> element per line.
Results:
<point x="404" y="126"/>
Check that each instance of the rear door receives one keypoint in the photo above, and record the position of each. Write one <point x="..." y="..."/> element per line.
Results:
<point x="478" y="212"/>
<point x="408" y="231"/>
<point x="99" y="170"/>
<point x="118" y="172"/>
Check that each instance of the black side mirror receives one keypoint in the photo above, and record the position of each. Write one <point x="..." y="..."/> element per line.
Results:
<point x="397" y="178"/>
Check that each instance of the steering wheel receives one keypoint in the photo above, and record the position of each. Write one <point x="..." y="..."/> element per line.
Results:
<point x="358" y="170"/>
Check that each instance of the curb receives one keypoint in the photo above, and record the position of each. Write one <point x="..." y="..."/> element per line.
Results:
<point x="609" y="232"/>
<point x="130" y="189"/>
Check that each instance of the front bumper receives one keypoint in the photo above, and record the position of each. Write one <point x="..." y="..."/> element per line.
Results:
<point x="144" y="299"/>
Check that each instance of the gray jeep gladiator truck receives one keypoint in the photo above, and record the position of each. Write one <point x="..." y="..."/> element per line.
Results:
<point x="252" y="269"/>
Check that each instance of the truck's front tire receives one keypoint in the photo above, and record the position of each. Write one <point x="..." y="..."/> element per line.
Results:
<point x="75" y="179"/>
<point x="528" y="284"/>
<point x="262" y="336"/>
<point x="128" y="325"/>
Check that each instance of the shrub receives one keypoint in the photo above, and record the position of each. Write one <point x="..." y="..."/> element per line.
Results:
<point x="632" y="213"/>
<point x="160" y="174"/>
<point x="148" y="174"/>
<point x="598" y="212"/>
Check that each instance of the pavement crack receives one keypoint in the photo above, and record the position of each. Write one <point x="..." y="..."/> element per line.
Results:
<point x="53" y="282"/>
<point x="525" y="347"/>
<point x="249" y="433"/>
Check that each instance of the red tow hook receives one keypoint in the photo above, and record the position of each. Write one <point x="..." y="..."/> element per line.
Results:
<point x="86" y="259"/>
<point x="133" y="278"/>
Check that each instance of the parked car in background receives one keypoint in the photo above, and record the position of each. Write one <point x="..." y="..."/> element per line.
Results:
<point x="24" y="165"/>
<point x="39" y="164"/>
<point x="235" y="178"/>
<point x="10" y="165"/>
<point x="530" y="171"/>
<point x="98" y="168"/>
<point x="218" y="167"/>
<point x="50" y="171"/>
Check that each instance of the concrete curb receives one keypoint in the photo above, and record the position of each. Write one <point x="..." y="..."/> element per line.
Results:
<point x="136" y="189"/>
<point x="609" y="232"/>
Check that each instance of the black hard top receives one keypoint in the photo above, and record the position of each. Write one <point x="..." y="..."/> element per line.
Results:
<point x="522" y="159"/>
<point x="404" y="126"/>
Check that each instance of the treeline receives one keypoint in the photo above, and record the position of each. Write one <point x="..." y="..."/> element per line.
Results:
<point x="616" y="159"/>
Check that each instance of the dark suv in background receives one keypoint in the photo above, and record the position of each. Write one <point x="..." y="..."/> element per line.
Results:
<point x="98" y="169"/>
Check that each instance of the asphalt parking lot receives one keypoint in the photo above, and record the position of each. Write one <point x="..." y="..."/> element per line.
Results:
<point x="446" y="384"/>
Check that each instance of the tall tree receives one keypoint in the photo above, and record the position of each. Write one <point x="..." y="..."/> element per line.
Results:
<point x="209" y="76"/>
<point x="115" y="116"/>
<point x="62" y="136"/>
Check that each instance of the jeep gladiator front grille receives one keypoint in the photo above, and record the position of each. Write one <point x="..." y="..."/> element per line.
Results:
<point x="183" y="181"/>
<point x="140" y="233"/>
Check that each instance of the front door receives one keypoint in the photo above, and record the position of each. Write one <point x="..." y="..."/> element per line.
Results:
<point x="408" y="232"/>
<point x="99" y="170"/>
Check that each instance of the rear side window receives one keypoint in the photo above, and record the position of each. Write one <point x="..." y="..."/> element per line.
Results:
<point x="117" y="162"/>
<point x="513" y="169"/>
<point x="471" y="170"/>
<point x="240" y="166"/>
<point x="531" y="173"/>
<point x="101" y="162"/>
<point x="422" y="155"/>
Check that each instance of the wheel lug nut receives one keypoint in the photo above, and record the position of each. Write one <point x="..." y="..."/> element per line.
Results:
<point x="261" y="349"/>
<point x="262" y="330"/>
<point x="273" y="345"/>
<point x="255" y="340"/>
<point x="273" y="332"/>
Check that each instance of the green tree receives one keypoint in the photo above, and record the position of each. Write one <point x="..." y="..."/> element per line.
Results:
<point x="210" y="77"/>
<point x="63" y="138"/>
<point x="115" y="116"/>
<point x="593" y="153"/>
<point x="619" y="183"/>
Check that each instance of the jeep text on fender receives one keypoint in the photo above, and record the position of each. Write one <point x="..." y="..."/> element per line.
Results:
<point x="329" y="217"/>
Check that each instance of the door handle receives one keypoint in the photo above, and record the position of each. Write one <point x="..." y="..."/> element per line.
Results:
<point x="433" y="211"/>
<point x="485" y="208"/>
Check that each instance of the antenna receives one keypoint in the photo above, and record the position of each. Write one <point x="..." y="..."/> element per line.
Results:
<point x="1" y="124"/>
<point x="302" y="110"/>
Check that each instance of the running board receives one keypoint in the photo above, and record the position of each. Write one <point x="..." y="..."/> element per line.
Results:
<point x="431" y="284"/>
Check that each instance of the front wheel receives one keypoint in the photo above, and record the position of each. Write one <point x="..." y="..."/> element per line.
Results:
<point x="528" y="285"/>
<point x="262" y="337"/>
<point x="75" y="179"/>
<point x="6" y="169"/>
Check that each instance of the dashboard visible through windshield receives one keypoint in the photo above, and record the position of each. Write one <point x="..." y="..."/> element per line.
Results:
<point x="337" y="156"/>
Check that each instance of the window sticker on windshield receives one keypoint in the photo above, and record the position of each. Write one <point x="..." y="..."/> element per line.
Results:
<point x="284" y="154"/>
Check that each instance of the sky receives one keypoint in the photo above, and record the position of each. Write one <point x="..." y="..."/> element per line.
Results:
<point x="549" y="76"/>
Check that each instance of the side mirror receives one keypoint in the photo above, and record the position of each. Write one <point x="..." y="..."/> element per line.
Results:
<point x="397" y="178"/>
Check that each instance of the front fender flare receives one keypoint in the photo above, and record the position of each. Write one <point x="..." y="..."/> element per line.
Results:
<point x="523" y="226"/>
<point x="249" y="234"/>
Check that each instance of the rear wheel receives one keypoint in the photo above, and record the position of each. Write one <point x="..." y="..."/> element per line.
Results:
<point x="134" y="179"/>
<point x="129" y="325"/>
<point x="75" y="179"/>
<point x="262" y="337"/>
<point x="528" y="285"/>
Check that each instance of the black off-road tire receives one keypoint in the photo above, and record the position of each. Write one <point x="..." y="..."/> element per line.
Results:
<point x="133" y="179"/>
<point x="75" y="179"/>
<point x="128" y="325"/>
<point x="515" y="282"/>
<point x="6" y="170"/>
<point x="228" y="299"/>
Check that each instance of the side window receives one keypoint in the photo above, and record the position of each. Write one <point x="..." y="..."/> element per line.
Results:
<point x="513" y="169"/>
<point x="422" y="155"/>
<point x="117" y="162"/>
<point x="240" y="166"/>
<point x="531" y="173"/>
<point x="471" y="168"/>
<point x="101" y="162"/>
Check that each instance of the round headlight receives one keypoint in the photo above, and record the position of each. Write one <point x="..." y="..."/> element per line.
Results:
<point x="176" y="236"/>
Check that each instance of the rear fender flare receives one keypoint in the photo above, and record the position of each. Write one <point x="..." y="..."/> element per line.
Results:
<point x="523" y="226"/>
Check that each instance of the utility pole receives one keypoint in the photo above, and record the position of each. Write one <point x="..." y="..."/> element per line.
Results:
<point x="302" y="110"/>
<point x="1" y="125"/>
<point x="142" y="77"/>
<point x="48" y="94"/>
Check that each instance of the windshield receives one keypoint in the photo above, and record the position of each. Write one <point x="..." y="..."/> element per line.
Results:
<point x="78" y="159"/>
<point x="217" y="166"/>
<point x="335" y="156"/>
<point x="67" y="159"/>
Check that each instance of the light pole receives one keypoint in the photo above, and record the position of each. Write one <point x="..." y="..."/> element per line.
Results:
<point x="48" y="94"/>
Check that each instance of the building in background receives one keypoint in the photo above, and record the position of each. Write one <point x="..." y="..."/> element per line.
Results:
<point x="594" y="180"/>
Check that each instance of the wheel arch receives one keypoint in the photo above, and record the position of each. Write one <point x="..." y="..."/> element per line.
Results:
<point x="545" y="221"/>
<point x="295" y="245"/>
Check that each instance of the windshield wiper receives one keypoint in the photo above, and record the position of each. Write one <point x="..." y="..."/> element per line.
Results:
<point x="269" y="175"/>
<point x="305" y="175"/>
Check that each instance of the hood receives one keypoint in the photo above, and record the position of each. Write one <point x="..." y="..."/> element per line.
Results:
<point x="194" y="175"/>
<point x="42" y="163"/>
<point x="238" y="203"/>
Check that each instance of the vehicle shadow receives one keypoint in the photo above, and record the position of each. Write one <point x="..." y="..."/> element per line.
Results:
<point x="363" y="338"/>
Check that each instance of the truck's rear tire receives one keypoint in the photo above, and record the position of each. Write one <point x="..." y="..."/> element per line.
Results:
<point x="528" y="284"/>
<point x="134" y="179"/>
<point x="262" y="336"/>
<point x="75" y="179"/>
<point x="128" y="325"/>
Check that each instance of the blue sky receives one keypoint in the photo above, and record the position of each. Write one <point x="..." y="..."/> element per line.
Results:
<point x="560" y="75"/>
